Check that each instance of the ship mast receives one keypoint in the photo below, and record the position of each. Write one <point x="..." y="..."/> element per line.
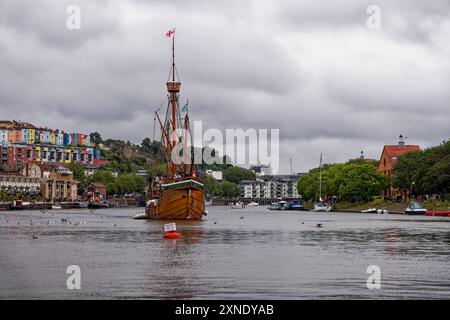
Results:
<point x="173" y="120"/>
<point x="170" y="124"/>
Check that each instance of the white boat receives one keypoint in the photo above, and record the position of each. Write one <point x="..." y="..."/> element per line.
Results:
<point x="141" y="215"/>
<point x="253" y="204"/>
<point x="415" y="208"/>
<point x="278" y="206"/>
<point x="56" y="207"/>
<point x="320" y="206"/>
<point x="370" y="210"/>
<point x="237" y="205"/>
<point x="375" y="210"/>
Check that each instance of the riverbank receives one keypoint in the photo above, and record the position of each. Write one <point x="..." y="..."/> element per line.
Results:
<point x="393" y="207"/>
<point x="8" y="206"/>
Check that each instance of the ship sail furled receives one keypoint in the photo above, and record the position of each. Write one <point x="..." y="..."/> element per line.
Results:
<point x="179" y="194"/>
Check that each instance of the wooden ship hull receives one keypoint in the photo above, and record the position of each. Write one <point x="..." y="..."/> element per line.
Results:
<point x="183" y="200"/>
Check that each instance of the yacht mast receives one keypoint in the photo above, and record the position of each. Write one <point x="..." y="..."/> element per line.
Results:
<point x="320" y="177"/>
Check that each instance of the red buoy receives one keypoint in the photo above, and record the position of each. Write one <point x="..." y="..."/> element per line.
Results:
<point x="172" y="235"/>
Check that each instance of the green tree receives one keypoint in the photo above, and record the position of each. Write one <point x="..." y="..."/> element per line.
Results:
<point x="360" y="182"/>
<point x="212" y="186"/>
<point x="236" y="174"/>
<point x="229" y="189"/>
<point x="78" y="175"/>
<point x="407" y="168"/>
<point x="96" y="138"/>
<point x="352" y="181"/>
<point x="425" y="172"/>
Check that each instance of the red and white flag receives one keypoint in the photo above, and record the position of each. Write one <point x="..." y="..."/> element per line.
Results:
<point x="170" y="33"/>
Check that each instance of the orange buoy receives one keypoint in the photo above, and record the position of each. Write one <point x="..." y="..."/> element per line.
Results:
<point x="172" y="235"/>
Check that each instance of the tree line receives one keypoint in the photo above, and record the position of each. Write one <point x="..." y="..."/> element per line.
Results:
<point x="353" y="181"/>
<point x="124" y="183"/>
<point x="425" y="172"/>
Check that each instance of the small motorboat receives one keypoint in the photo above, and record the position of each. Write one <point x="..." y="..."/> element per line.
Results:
<point x="383" y="211"/>
<point x="281" y="205"/>
<point x="237" y="205"/>
<point x="56" y="206"/>
<point x="253" y="204"/>
<point x="320" y="206"/>
<point x="80" y="205"/>
<point x="295" y="205"/>
<point x="19" y="205"/>
<point x="415" y="208"/>
<point x="272" y="206"/>
<point x="97" y="205"/>
<point x="370" y="210"/>
<point x="141" y="215"/>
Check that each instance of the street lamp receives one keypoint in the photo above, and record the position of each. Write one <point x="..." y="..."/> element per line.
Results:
<point x="410" y="191"/>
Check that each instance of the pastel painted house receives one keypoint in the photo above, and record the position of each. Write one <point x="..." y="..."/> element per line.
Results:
<point x="59" y="139"/>
<point x="3" y="136"/>
<point x="25" y="135"/>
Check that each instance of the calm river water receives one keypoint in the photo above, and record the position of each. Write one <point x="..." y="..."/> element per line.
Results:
<point x="249" y="253"/>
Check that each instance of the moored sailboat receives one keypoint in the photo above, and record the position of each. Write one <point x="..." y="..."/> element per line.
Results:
<point x="321" y="205"/>
<point x="179" y="194"/>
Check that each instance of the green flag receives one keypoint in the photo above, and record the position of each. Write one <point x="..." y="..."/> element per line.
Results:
<point x="185" y="108"/>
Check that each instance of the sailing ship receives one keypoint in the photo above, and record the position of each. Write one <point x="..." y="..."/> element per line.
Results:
<point x="179" y="194"/>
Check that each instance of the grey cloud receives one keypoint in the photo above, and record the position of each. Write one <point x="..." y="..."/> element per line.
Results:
<point x="251" y="64"/>
<point x="46" y="20"/>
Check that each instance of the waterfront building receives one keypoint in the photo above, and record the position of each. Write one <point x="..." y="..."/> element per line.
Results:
<point x="58" y="185"/>
<point x="22" y="143"/>
<point x="96" y="192"/>
<point x="388" y="160"/>
<point x="16" y="184"/>
<point x="218" y="175"/>
<point x="261" y="170"/>
<point x="271" y="186"/>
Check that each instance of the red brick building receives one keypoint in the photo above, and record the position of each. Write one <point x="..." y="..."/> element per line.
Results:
<point x="388" y="160"/>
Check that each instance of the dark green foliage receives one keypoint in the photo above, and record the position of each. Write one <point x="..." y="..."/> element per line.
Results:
<point x="236" y="174"/>
<point x="425" y="172"/>
<point x="354" y="181"/>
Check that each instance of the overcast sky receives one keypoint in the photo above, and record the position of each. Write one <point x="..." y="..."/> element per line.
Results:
<point x="310" y="68"/>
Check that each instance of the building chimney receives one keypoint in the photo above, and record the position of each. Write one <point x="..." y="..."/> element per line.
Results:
<point x="401" y="141"/>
